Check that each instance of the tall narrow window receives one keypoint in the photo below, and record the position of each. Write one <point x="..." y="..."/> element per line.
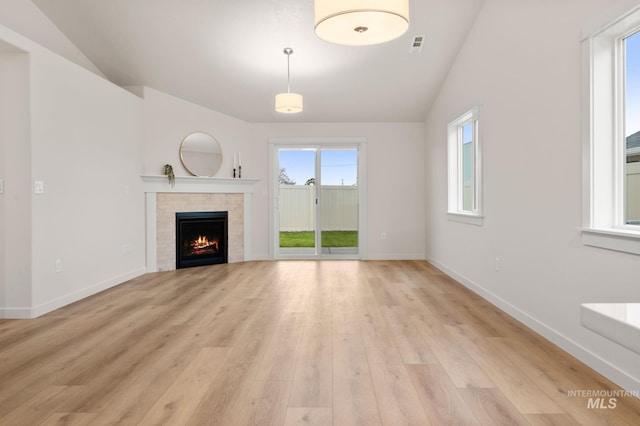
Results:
<point x="611" y="151"/>
<point x="466" y="147"/>
<point x="632" y="130"/>
<point x="464" y="166"/>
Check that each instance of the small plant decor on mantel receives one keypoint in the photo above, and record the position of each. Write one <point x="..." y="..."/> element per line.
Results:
<point x="168" y="172"/>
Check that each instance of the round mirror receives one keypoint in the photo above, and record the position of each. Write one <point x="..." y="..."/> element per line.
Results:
<point x="201" y="154"/>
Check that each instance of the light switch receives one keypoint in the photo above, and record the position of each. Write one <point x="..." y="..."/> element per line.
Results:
<point x="38" y="187"/>
<point x="1" y="186"/>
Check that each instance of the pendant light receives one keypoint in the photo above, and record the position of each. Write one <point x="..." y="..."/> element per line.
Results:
<point x="361" y="22"/>
<point x="288" y="103"/>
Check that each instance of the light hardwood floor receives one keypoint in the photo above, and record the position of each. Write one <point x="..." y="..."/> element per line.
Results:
<point x="292" y="343"/>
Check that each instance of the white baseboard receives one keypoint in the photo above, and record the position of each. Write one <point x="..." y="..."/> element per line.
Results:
<point x="602" y="366"/>
<point x="15" y="313"/>
<point x="363" y="256"/>
<point x="394" y="256"/>
<point x="85" y="292"/>
<point x="52" y="305"/>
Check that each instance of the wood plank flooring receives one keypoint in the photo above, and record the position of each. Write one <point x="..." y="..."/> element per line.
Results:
<point x="292" y="343"/>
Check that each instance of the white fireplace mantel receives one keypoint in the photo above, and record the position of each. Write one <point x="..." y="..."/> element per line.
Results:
<point x="196" y="185"/>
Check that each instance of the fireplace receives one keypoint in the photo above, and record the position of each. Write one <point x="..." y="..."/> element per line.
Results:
<point x="201" y="238"/>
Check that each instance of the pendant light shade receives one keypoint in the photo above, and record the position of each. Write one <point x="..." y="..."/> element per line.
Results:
<point x="288" y="103"/>
<point x="361" y="22"/>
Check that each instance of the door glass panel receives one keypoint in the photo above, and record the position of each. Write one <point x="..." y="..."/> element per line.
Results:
<point x="339" y="201"/>
<point x="297" y="201"/>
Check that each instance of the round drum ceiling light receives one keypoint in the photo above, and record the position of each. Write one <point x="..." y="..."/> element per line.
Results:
<point x="361" y="22"/>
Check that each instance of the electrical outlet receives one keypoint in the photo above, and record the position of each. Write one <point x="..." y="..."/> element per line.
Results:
<point x="38" y="187"/>
<point x="1" y="186"/>
<point x="58" y="265"/>
<point x="383" y="236"/>
<point x="497" y="264"/>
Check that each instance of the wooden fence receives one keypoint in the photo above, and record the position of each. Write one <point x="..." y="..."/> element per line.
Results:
<point x="339" y="208"/>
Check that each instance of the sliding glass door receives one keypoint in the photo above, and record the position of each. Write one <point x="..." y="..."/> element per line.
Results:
<point x="317" y="201"/>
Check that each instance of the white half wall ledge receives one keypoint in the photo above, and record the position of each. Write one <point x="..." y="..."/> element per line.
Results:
<point x="618" y="322"/>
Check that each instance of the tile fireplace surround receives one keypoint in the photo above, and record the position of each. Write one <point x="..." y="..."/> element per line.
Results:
<point x="195" y="194"/>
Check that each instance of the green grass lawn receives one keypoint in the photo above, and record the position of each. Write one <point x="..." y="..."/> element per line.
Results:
<point x="329" y="239"/>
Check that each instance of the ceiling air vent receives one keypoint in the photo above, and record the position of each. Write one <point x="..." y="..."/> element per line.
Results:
<point x="416" y="44"/>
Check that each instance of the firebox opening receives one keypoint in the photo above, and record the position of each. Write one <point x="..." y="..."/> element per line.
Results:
<point x="201" y="238"/>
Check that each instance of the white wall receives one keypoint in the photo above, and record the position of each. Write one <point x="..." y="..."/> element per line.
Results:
<point x="168" y="120"/>
<point x="15" y="202"/>
<point x="522" y="62"/>
<point x="82" y="139"/>
<point x="86" y="149"/>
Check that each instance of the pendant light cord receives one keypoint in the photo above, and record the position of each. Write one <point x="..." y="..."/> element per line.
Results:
<point x="288" y="51"/>
<point x="288" y="76"/>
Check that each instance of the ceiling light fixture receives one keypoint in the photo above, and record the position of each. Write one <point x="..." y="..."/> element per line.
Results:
<point x="361" y="22"/>
<point x="288" y="103"/>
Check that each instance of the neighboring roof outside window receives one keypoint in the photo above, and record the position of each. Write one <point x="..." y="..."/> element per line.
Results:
<point x="633" y="144"/>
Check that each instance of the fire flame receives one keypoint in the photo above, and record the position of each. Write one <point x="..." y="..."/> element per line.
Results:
<point x="201" y="242"/>
<point x="203" y="245"/>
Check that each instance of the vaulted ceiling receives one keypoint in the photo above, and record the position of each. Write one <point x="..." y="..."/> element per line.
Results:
<point x="227" y="55"/>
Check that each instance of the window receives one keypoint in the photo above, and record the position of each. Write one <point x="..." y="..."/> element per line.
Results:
<point x="632" y="129"/>
<point x="612" y="136"/>
<point x="464" y="168"/>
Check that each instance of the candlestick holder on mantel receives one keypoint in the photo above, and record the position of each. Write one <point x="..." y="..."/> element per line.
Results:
<point x="237" y="160"/>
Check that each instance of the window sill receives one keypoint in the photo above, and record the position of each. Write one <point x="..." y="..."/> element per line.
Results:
<point x="471" y="219"/>
<point x="622" y="240"/>
<point x="618" y="322"/>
